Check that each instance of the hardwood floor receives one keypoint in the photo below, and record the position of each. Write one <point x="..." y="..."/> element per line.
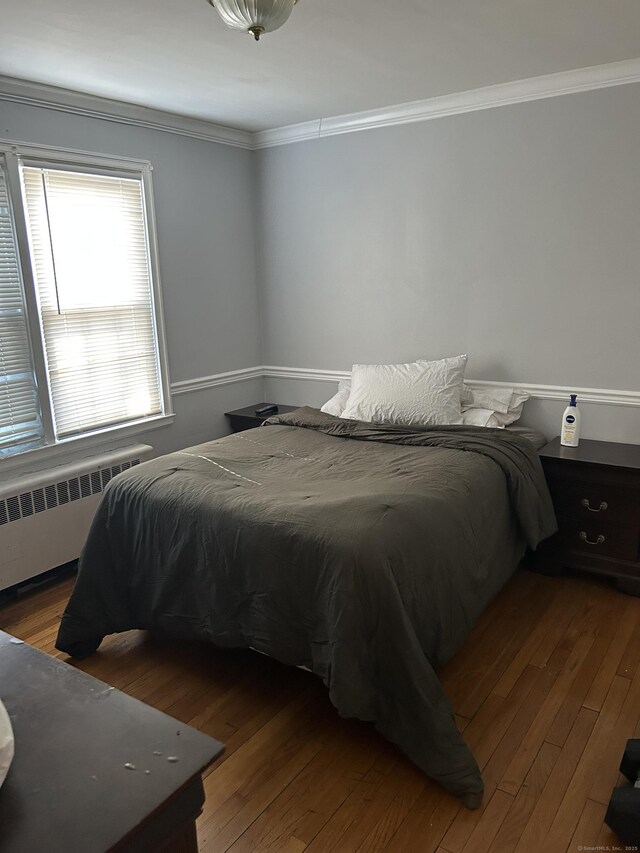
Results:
<point x="547" y="690"/>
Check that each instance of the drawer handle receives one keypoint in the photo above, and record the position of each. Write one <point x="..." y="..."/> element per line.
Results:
<point x="603" y="505"/>
<point x="586" y="539"/>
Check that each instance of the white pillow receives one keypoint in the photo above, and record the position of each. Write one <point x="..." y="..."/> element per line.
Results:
<point x="495" y="398"/>
<point x="335" y="406"/>
<point x="478" y="417"/>
<point x="518" y="399"/>
<point x="415" y="394"/>
<point x="504" y="405"/>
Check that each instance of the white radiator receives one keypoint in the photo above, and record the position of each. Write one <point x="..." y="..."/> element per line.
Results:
<point x="45" y="516"/>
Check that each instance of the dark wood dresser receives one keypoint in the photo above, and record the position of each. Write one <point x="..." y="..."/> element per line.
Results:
<point x="596" y="493"/>
<point x="94" y="769"/>
<point x="241" y="419"/>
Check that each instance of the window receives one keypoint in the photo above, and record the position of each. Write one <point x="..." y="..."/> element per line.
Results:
<point x="20" y="422"/>
<point x="79" y="346"/>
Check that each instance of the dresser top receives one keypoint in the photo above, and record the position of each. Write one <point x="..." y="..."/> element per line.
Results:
<point x="69" y="787"/>
<point x="609" y="453"/>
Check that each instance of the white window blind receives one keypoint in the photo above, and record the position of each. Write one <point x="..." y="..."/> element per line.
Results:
<point x="20" y="423"/>
<point x="90" y="260"/>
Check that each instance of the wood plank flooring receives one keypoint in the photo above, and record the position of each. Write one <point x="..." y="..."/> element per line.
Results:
<point x="547" y="690"/>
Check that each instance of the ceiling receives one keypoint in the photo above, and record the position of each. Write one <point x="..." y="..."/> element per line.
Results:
<point x="332" y="56"/>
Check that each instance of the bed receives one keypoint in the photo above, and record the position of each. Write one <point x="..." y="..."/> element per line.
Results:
<point x="363" y="552"/>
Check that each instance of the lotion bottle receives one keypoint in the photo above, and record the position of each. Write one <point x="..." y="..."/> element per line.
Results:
<point x="570" y="434"/>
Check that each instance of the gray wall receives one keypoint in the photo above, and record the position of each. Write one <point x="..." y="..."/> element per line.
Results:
<point x="203" y="201"/>
<point x="510" y="234"/>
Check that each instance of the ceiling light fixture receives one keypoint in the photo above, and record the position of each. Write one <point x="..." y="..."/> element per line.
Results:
<point x="254" y="16"/>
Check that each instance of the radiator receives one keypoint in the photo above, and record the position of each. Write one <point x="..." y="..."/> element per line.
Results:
<point x="45" y="516"/>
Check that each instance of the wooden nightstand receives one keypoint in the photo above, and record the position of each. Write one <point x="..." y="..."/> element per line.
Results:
<point x="246" y="418"/>
<point x="596" y="494"/>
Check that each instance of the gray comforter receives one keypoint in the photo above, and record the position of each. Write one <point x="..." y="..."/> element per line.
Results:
<point x="364" y="552"/>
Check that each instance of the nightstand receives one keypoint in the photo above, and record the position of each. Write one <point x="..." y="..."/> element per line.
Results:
<point x="596" y="494"/>
<point x="246" y="418"/>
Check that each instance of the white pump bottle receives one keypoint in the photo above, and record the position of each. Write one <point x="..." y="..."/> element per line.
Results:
<point x="570" y="434"/>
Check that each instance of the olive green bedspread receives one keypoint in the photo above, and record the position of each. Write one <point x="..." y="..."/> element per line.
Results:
<point x="364" y="552"/>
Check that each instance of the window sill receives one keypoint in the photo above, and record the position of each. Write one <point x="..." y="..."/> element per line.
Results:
<point x="40" y="458"/>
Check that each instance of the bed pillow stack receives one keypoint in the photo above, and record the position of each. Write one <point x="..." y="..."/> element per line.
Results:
<point x="424" y="392"/>
<point x="414" y="394"/>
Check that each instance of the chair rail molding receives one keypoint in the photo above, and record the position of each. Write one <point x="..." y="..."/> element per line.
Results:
<point x="602" y="396"/>
<point x="203" y="383"/>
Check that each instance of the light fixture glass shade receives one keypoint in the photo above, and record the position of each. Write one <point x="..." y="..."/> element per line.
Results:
<point x="254" y="16"/>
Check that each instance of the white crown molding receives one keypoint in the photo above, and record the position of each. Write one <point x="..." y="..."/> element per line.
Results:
<point x="66" y="100"/>
<point x="288" y="134"/>
<point x="488" y="97"/>
<point x="202" y="383"/>
<point x="601" y="396"/>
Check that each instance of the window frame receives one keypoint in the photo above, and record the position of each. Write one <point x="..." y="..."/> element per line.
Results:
<point x="15" y="154"/>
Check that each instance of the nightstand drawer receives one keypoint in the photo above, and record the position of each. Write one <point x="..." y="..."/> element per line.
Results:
<point x="239" y="423"/>
<point x="596" y="494"/>
<point x="593" y="501"/>
<point x="599" y="538"/>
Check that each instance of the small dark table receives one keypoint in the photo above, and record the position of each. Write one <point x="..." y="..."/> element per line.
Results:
<point x="246" y="418"/>
<point x="596" y="493"/>
<point x="68" y="788"/>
